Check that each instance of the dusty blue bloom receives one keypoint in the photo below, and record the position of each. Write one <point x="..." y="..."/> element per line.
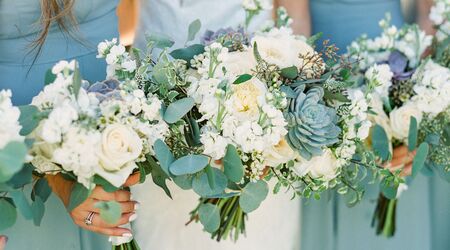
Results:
<point x="104" y="90"/>
<point x="399" y="65"/>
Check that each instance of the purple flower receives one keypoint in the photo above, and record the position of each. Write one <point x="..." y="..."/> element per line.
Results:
<point x="108" y="89"/>
<point x="399" y="65"/>
<point x="228" y="37"/>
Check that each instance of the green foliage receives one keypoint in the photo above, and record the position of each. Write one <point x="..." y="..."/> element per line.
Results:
<point x="188" y="53"/>
<point x="314" y="38"/>
<point x="110" y="211"/>
<point x="413" y="133"/>
<point x="252" y="195"/>
<point x="380" y="143"/>
<point x="178" y="109"/>
<point x="8" y="215"/>
<point x="38" y="209"/>
<point x="242" y="78"/>
<point x="233" y="167"/>
<point x="194" y="28"/>
<point x="12" y="157"/>
<point x="41" y="189"/>
<point x="183" y="181"/>
<point x="23" y="177"/>
<point x="76" y="81"/>
<point x="189" y="164"/>
<point x="201" y="184"/>
<point x="78" y="195"/>
<point x="106" y="185"/>
<point x="290" y="72"/>
<point x="209" y="217"/>
<point x="163" y="154"/>
<point x="158" y="40"/>
<point x="159" y="176"/>
<point x="49" y="77"/>
<point x="420" y="158"/>
<point x="29" y="118"/>
<point x="22" y="203"/>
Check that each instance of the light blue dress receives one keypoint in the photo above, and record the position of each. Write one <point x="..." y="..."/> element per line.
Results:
<point x="423" y="211"/>
<point x="19" y="25"/>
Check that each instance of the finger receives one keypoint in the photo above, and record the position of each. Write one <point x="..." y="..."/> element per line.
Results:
<point x="3" y="241"/>
<point x="132" y="180"/>
<point x="407" y="170"/>
<point x="120" y="195"/>
<point x="129" y="206"/>
<point x="97" y="221"/>
<point x="114" y="231"/>
<point x="400" y="151"/>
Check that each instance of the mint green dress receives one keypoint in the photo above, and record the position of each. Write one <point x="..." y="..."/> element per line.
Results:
<point x="423" y="211"/>
<point x="18" y="27"/>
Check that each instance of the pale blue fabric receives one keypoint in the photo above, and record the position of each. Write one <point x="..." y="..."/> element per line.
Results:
<point x="19" y="25"/>
<point x="423" y="211"/>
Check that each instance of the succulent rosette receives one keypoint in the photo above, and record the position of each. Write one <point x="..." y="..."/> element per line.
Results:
<point x="409" y="100"/>
<point x="247" y="111"/>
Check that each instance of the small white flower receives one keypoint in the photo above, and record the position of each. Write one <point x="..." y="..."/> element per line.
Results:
<point x="400" y="120"/>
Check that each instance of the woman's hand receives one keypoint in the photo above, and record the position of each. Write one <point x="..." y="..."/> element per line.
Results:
<point x="123" y="197"/>
<point x="402" y="159"/>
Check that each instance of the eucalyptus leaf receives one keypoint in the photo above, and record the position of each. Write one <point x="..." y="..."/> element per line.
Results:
<point x="413" y="133"/>
<point x="159" y="177"/>
<point x="22" y="203"/>
<point x="106" y="185"/>
<point x="209" y="216"/>
<point x="313" y="39"/>
<point x="201" y="186"/>
<point x="8" y="215"/>
<point x="178" y="109"/>
<point x="38" y="208"/>
<point x="12" y="157"/>
<point x="183" y="181"/>
<point x="289" y="72"/>
<point x="194" y="28"/>
<point x="223" y="195"/>
<point x="78" y="195"/>
<point x="159" y="40"/>
<point x="242" y="78"/>
<point x="188" y="53"/>
<point x="420" y="158"/>
<point x="41" y="189"/>
<point x="389" y="189"/>
<point x="252" y="195"/>
<point x="290" y="93"/>
<point x="29" y="119"/>
<point x="23" y="177"/>
<point x="380" y="143"/>
<point x="49" y="77"/>
<point x="210" y="174"/>
<point x="110" y="211"/>
<point x="233" y="167"/>
<point x="189" y="164"/>
<point x="163" y="155"/>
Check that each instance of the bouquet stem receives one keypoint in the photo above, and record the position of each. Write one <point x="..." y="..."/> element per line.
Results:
<point x="385" y="216"/>
<point x="132" y="245"/>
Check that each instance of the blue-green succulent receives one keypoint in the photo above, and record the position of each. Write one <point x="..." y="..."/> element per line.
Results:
<point x="311" y="124"/>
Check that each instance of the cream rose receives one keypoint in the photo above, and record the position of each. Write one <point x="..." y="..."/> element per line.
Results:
<point x="247" y="97"/>
<point x="400" y="120"/>
<point x="238" y="63"/>
<point x="120" y="146"/>
<point x="323" y="166"/>
<point x="279" y="154"/>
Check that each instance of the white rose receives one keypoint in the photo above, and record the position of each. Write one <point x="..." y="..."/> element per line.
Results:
<point x="323" y="166"/>
<point x="120" y="146"/>
<point x="238" y="63"/>
<point x="247" y="98"/>
<point x="279" y="154"/>
<point x="400" y="120"/>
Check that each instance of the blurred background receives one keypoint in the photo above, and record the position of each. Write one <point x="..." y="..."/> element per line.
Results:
<point x="128" y="12"/>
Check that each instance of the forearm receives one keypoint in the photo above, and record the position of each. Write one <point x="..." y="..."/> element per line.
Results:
<point x="61" y="187"/>
<point x="423" y="11"/>
<point x="299" y="11"/>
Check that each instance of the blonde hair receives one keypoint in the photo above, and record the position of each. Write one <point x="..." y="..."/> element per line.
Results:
<point x="58" y="12"/>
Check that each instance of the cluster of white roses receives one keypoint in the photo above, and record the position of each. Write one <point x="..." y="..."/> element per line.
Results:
<point x="409" y="40"/>
<point x="87" y="136"/>
<point x="9" y="115"/>
<point x="440" y="16"/>
<point x="119" y="61"/>
<point x="431" y="91"/>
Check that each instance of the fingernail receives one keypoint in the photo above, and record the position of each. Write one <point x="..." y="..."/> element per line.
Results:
<point x="132" y="217"/>
<point x="137" y="205"/>
<point x="127" y="235"/>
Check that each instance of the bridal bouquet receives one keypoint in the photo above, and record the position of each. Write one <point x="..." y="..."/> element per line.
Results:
<point x="410" y="106"/>
<point x="95" y="134"/>
<point x="244" y="109"/>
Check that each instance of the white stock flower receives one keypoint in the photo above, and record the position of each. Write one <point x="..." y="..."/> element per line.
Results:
<point x="382" y="76"/>
<point x="214" y="144"/>
<point x="400" y="120"/>
<point x="9" y="116"/>
<point x="319" y="167"/>
<point x="58" y="122"/>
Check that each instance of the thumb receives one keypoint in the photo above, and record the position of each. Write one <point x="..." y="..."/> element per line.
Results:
<point x="3" y="240"/>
